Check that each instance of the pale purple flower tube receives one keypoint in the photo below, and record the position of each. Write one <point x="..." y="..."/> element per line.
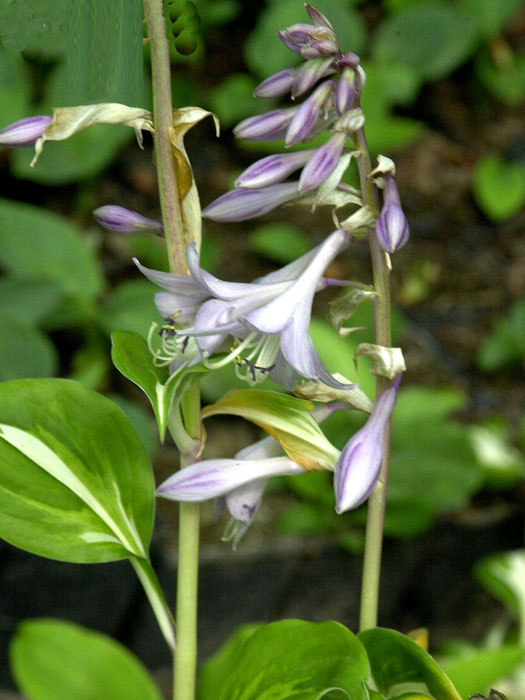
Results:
<point x="277" y="84"/>
<point x="122" y="220"/>
<point x="24" y="132"/>
<point x="392" y="226"/>
<point x="359" y="465"/>
<point x="265" y="127"/>
<point x="242" y="204"/>
<point x="307" y="114"/>
<point x="322" y="163"/>
<point x="272" y="169"/>
<point x="344" y="92"/>
<point x="309" y="73"/>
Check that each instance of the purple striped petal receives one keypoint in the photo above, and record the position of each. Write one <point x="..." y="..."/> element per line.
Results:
<point x="309" y="74"/>
<point x="24" y="132"/>
<point x="265" y="127"/>
<point x="216" y="477"/>
<point x="307" y="114"/>
<point x="272" y="169"/>
<point x="322" y="163"/>
<point x="359" y="465"/>
<point x="115" y="218"/>
<point x="276" y="85"/>
<point x="392" y="226"/>
<point x="344" y="92"/>
<point x="242" y="204"/>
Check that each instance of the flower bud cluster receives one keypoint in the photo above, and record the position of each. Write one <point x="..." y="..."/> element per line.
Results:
<point x="330" y="82"/>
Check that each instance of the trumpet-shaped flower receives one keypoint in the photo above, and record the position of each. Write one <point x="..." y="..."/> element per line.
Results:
<point x="268" y="318"/>
<point x="359" y="465"/>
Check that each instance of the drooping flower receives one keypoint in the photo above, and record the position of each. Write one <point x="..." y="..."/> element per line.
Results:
<point x="268" y="318"/>
<point x="122" y="220"/>
<point x="24" y="132"/>
<point x="392" y="226"/>
<point x="359" y="465"/>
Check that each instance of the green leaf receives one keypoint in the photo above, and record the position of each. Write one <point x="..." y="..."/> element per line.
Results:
<point x="286" y="419"/>
<point x="222" y="663"/>
<point x="132" y="358"/>
<point x="499" y="187"/>
<point x="491" y="16"/>
<point x="506" y="83"/>
<point x="75" y="480"/>
<point x="130" y="307"/>
<point x="141" y="419"/>
<point x="503" y="575"/>
<point x="280" y="242"/>
<point x="55" y="660"/>
<point x="35" y="243"/>
<point x="264" y="53"/>
<point x="433" y="38"/>
<point x="478" y="672"/>
<point x="25" y="351"/>
<point x="29" y="301"/>
<point x="506" y="344"/>
<point x="396" y="659"/>
<point x="293" y="659"/>
<point x="14" y="84"/>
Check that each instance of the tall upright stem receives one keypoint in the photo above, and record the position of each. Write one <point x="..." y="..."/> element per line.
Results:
<point x="185" y="662"/>
<point x="377" y="501"/>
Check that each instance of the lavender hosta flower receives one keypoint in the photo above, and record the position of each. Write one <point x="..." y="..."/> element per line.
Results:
<point x="344" y="92"/>
<point x="265" y="127"/>
<point x="307" y="114"/>
<point x="309" y="74"/>
<point x="242" y="204"/>
<point x="392" y="226"/>
<point x="121" y="220"/>
<point x="277" y="84"/>
<point x="24" y="132"/>
<point x="269" y="319"/>
<point x="273" y="169"/>
<point x="359" y="465"/>
<point x="322" y="163"/>
<point x="318" y="19"/>
<point x="309" y="40"/>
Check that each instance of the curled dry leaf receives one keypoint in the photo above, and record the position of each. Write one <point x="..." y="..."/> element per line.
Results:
<point x="342" y="308"/>
<point x="388" y="362"/>
<point x="67" y="121"/>
<point x="183" y="120"/>
<point x="317" y="391"/>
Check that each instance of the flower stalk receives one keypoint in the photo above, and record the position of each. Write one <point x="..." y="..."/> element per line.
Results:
<point x="185" y="662"/>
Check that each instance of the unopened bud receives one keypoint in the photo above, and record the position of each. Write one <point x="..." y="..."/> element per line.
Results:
<point x="308" y="75"/>
<point x="344" y="92"/>
<point x="122" y="220"/>
<point x="25" y="132"/>
<point x="307" y="114"/>
<point x="265" y="127"/>
<point x="242" y="204"/>
<point x="322" y="163"/>
<point x="276" y="85"/>
<point x="272" y="169"/>
<point x="392" y="226"/>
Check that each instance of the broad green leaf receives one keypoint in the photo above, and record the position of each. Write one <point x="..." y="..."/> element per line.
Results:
<point x="29" y="300"/>
<point x="35" y="243"/>
<point x="132" y="358"/>
<point x="478" y="672"/>
<point x="296" y="660"/>
<point x="506" y="83"/>
<point x="433" y="38"/>
<point x="56" y="660"/>
<point x="491" y="16"/>
<point x="25" y="351"/>
<point x="499" y="187"/>
<point x="264" y="53"/>
<point x="223" y="662"/>
<point x="396" y="659"/>
<point x="286" y="419"/>
<point x="280" y="241"/>
<point x="503" y="576"/>
<point x="75" y="480"/>
<point x="130" y="307"/>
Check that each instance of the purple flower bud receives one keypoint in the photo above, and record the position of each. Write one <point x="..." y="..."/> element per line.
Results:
<point x="308" y="74"/>
<point x="319" y="48"/>
<point x="265" y="127"/>
<point x="24" y="132"/>
<point x="276" y="85"/>
<point x="359" y="465"/>
<point x="322" y="163"/>
<point x="307" y="114"/>
<point x="310" y="41"/>
<point x="239" y="205"/>
<point x="392" y="226"/>
<point x="350" y="59"/>
<point x="116" y="218"/>
<point x="317" y="17"/>
<point x="344" y="92"/>
<point x="272" y="169"/>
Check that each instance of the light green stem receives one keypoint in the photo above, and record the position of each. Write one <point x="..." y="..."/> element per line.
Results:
<point x="377" y="501"/>
<point x="150" y="583"/>
<point x="188" y="555"/>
